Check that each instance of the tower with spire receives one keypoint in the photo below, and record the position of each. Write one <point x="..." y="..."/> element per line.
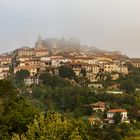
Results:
<point x="39" y="44"/>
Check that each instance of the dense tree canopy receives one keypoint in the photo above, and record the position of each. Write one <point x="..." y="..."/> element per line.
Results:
<point x="6" y="88"/>
<point x="73" y="106"/>
<point x="53" y="80"/>
<point x="53" y="127"/>
<point x="128" y="86"/>
<point x="117" y="118"/>
<point x="15" y="115"/>
<point x="20" y="75"/>
<point x="66" y="72"/>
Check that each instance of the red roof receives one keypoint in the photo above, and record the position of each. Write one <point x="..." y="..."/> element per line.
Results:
<point x="99" y="104"/>
<point x="117" y="110"/>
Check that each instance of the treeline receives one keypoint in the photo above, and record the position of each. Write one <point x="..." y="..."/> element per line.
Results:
<point x="54" y="126"/>
<point x="55" y="109"/>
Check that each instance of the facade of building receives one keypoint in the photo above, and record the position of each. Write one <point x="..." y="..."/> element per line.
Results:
<point x="135" y="62"/>
<point x="111" y="113"/>
<point x="25" y="52"/>
<point x="6" y="59"/>
<point x="4" y="71"/>
<point x="31" y="80"/>
<point x="99" y="106"/>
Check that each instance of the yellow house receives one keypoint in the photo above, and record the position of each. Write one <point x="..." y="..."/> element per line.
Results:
<point x="26" y="51"/>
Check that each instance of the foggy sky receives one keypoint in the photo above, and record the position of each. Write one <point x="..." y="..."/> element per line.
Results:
<point x="106" y="24"/>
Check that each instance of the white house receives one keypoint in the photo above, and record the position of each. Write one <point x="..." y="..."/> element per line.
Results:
<point x="31" y="80"/>
<point x="111" y="113"/>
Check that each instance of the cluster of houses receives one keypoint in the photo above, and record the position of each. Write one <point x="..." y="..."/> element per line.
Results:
<point x="5" y="64"/>
<point x="40" y="58"/>
<point x="101" y="107"/>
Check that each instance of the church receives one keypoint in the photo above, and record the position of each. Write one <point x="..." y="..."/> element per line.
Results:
<point x="39" y="48"/>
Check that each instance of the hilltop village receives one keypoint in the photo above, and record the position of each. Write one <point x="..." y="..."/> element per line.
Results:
<point x="40" y="58"/>
<point x="95" y="66"/>
<point x="99" y="87"/>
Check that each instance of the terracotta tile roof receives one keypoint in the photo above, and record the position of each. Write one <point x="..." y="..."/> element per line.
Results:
<point x="117" y="110"/>
<point x="26" y="67"/>
<point x="25" y="49"/>
<point x="6" y="56"/>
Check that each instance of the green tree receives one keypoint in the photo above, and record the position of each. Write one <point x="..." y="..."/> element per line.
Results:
<point x="117" y="118"/>
<point x="53" y="80"/>
<point x="7" y="89"/>
<point x="66" y="72"/>
<point x="128" y="86"/>
<point x="20" y="75"/>
<point x="15" y="115"/>
<point x="53" y="127"/>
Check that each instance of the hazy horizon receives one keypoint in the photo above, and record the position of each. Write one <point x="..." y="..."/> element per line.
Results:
<point x="108" y="25"/>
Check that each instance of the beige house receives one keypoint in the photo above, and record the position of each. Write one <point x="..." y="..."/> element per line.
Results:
<point x="135" y="62"/>
<point x="26" y="51"/>
<point x="95" y="85"/>
<point x="111" y="67"/>
<point x="76" y="67"/>
<point x="103" y="59"/>
<point x="33" y="61"/>
<point x="117" y="68"/>
<point x="23" y="58"/>
<point x="4" y="72"/>
<point x="99" y="106"/>
<point x="3" y="75"/>
<point x="95" y="69"/>
<point x="41" y="52"/>
<point x="88" y="60"/>
<point x="6" y="59"/>
<point x="91" y="71"/>
<point x="124" y="70"/>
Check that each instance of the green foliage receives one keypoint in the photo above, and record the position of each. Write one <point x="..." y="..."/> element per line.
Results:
<point x="83" y="81"/>
<point x="128" y="86"/>
<point x="57" y="94"/>
<point x="6" y="88"/>
<point x="117" y="118"/>
<point x="66" y="72"/>
<point x="38" y="92"/>
<point x="53" y="80"/>
<point x="53" y="127"/>
<point x="118" y="101"/>
<point x="68" y="99"/>
<point x="133" y="76"/>
<point x="20" y="75"/>
<point x="134" y="113"/>
<point x="15" y="115"/>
